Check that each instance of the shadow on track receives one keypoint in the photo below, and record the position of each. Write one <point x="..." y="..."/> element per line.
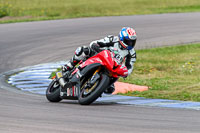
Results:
<point x="97" y="103"/>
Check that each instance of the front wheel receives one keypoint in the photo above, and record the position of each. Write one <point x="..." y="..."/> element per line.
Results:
<point x="53" y="92"/>
<point x="89" y="95"/>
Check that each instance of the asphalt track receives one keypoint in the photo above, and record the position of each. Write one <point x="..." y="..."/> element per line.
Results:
<point x="27" y="44"/>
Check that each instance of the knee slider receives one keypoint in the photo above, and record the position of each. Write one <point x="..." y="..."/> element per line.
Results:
<point x="80" y="50"/>
<point x="86" y="50"/>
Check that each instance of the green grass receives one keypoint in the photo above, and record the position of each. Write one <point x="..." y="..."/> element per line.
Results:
<point x="170" y="72"/>
<point x="25" y="10"/>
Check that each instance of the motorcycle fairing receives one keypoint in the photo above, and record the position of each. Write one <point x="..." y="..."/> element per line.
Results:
<point x="106" y="59"/>
<point x="73" y="87"/>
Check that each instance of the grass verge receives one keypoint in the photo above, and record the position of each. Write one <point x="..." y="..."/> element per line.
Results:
<point x="170" y="72"/>
<point x="24" y="10"/>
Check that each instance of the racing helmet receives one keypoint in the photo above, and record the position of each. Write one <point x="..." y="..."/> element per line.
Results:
<point x="127" y="38"/>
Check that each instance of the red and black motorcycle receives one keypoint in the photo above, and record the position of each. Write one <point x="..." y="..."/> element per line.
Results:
<point x="90" y="79"/>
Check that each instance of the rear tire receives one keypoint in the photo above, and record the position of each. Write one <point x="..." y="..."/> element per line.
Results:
<point x="53" y="93"/>
<point x="103" y="84"/>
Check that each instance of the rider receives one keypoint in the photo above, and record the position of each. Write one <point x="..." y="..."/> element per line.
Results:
<point x="124" y="44"/>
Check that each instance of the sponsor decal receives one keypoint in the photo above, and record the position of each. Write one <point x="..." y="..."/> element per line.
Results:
<point x="78" y="74"/>
<point x="124" y="69"/>
<point x="106" y="54"/>
<point x="59" y="75"/>
<point x="61" y="94"/>
<point x="99" y="60"/>
<point x="124" y="33"/>
<point x="71" y="91"/>
<point x="130" y="31"/>
<point x="68" y="91"/>
<point x="73" y="88"/>
<point x="125" y="73"/>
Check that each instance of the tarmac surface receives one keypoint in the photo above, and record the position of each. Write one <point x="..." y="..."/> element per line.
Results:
<point x="35" y="79"/>
<point x="31" y="43"/>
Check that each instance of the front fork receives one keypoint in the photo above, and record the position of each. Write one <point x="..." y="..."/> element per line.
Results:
<point x="95" y="77"/>
<point x="74" y="81"/>
<point x="60" y="78"/>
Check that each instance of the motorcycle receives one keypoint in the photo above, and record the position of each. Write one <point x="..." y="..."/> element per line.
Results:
<point x="90" y="79"/>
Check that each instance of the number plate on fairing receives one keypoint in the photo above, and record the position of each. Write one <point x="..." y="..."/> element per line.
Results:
<point x="59" y="75"/>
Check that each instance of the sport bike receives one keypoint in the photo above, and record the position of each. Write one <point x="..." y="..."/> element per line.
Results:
<point x="89" y="79"/>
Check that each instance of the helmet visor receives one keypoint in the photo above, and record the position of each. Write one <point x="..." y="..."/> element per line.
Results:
<point x="130" y="42"/>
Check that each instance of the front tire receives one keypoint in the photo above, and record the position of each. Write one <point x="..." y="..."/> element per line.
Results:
<point x="102" y="85"/>
<point x="53" y="92"/>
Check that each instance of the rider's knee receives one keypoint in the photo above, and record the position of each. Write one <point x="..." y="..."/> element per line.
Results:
<point x="82" y="53"/>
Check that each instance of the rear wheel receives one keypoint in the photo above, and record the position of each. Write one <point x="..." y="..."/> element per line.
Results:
<point x="53" y="92"/>
<point x="89" y="94"/>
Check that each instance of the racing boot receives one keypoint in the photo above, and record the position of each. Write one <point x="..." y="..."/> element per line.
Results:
<point x="66" y="69"/>
<point x="80" y="54"/>
<point x="110" y="89"/>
